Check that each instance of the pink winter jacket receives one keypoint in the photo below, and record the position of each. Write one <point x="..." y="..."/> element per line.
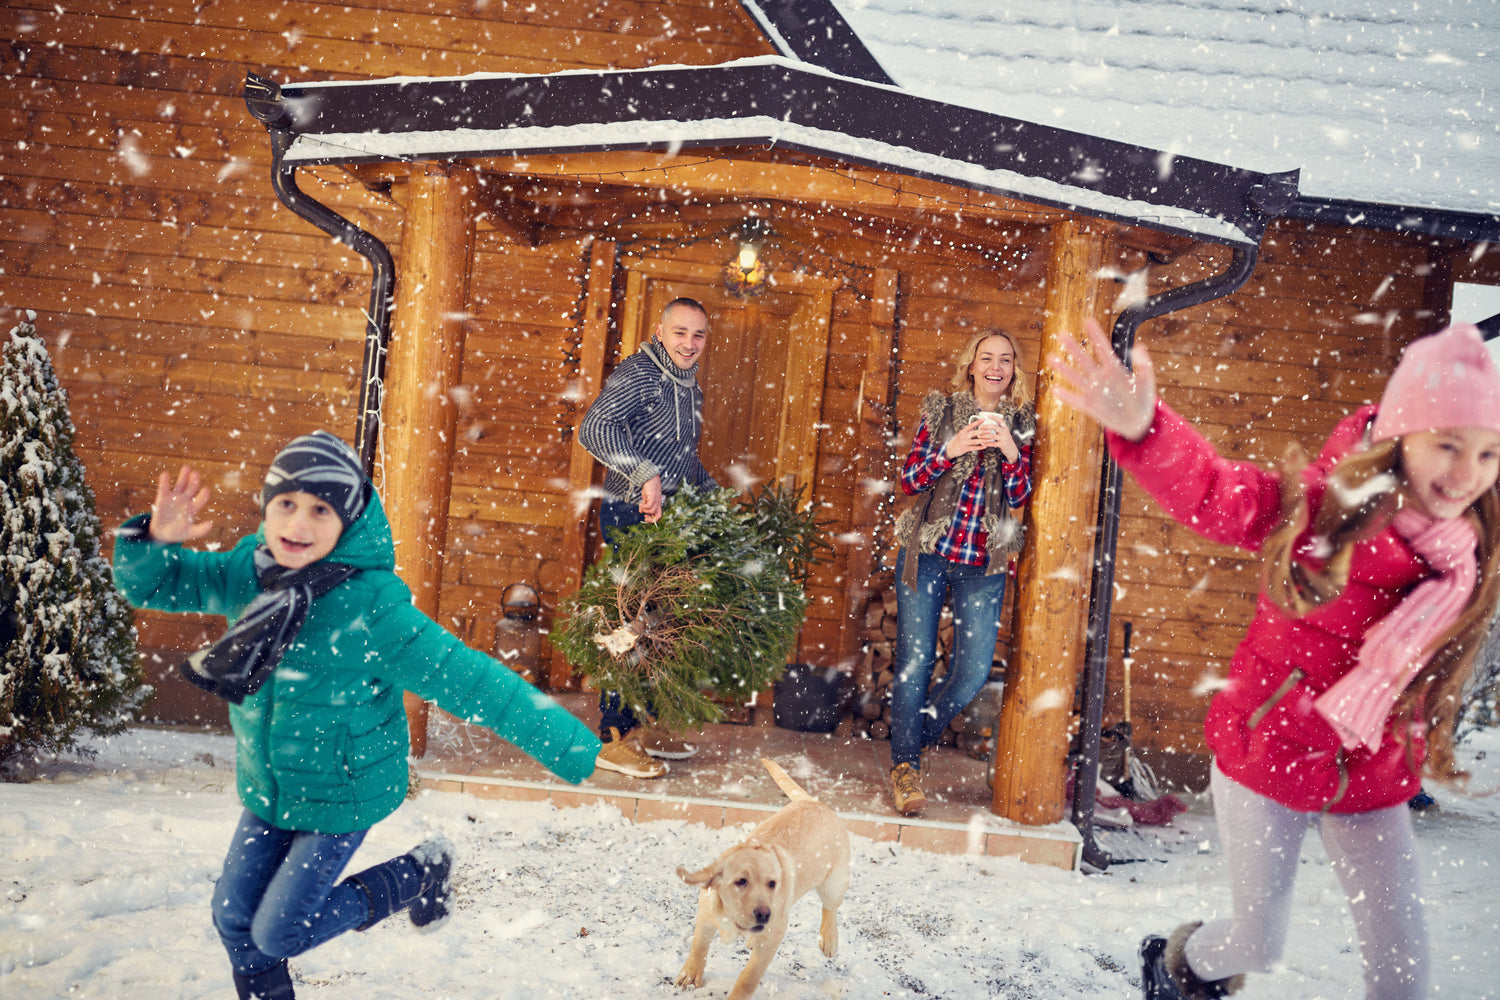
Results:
<point x="1261" y="726"/>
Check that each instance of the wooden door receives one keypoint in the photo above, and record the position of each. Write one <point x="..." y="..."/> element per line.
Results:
<point x="762" y="370"/>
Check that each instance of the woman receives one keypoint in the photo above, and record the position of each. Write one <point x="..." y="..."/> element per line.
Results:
<point x="970" y="469"/>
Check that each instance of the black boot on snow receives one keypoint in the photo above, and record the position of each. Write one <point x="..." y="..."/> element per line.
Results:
<point x="1165" y="974"/>
<point x="273" y="984"/>
<point x="435" y="858"/>
<point x="419" y="881"/>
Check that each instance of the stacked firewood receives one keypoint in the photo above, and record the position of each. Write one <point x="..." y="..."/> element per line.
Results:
<point x="971" y="731"/>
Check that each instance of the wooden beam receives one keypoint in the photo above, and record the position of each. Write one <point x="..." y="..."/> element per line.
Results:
<point x="1055" y="567"/>
<point x="591" y="349"/>
<point x="728" y="174"/>
<point x="513" y="216"/>
<point x="424" y="363"/>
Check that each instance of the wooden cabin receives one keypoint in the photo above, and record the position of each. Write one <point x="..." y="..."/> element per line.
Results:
<point x="541" y="178"/>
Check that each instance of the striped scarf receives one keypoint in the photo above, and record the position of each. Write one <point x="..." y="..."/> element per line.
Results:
<point x="237" y="665"/>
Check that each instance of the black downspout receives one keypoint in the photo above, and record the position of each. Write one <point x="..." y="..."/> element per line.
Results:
<point x="1106" y="535"/>
<point x="263" y="98"/>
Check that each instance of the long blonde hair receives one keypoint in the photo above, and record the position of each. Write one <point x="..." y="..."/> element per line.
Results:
<point x="1019" y="391"/>
<point x="1364" y="491"/>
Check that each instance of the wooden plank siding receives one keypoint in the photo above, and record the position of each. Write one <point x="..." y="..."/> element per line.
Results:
<point x="191" y="317"/>
<point x="1309" y="338"/>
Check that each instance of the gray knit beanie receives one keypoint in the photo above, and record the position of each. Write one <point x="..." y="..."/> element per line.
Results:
<point x="320" y="464"/>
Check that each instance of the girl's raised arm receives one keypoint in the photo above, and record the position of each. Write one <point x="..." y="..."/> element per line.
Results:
<point x="1099" y="385"/>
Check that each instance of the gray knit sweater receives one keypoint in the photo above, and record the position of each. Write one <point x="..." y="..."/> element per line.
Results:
<point x="645" y="423"/>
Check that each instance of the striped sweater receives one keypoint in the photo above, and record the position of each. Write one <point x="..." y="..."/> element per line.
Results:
<point x="645" y="423"/>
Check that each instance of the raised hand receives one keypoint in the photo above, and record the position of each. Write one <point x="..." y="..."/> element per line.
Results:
<point x="1093" y="380"/>
<point x="174" y="515"/>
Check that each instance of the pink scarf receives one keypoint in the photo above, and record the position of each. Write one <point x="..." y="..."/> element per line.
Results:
<point x="1393" y="651"/>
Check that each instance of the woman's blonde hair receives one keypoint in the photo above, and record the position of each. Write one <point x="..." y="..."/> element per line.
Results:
<point x="1020" y="388"/>
<point x="1363" y="492"/>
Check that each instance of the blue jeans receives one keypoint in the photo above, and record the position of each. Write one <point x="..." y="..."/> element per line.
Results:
<point x="919" y="716"/>
<point x="615" y="516"/>
<point x="276" y="897"/>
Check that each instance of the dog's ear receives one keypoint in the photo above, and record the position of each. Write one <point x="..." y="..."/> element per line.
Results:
<point x="787" y="864"/>
<point x="703" y="876"/>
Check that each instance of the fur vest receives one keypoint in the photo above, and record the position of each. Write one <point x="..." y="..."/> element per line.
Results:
<point x="929" y="516"/>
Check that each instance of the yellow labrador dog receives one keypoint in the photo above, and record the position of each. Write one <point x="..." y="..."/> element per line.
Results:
<point x="750" y="888"/>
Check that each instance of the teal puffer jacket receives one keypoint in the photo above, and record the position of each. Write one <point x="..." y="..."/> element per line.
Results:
<point x="322" y="746"/>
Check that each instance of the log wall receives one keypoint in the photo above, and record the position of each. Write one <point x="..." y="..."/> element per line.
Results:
<point x="191" y="317"/>
<point x="1309" y="338"/>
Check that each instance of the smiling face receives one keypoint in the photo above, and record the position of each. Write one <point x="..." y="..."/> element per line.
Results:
<point x="301" y="529"/>
<point x="1447" y="470"/>
<point x="992" y="370"/>
<point x="683" y="331"/>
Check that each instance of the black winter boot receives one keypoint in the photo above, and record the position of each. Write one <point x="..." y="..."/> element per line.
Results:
<point x="1165" y="974"/>
<point x="273" y="984"/>
<point x="419" y="880"/>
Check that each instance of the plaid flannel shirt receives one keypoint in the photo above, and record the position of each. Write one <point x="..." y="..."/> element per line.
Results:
<point x="965" y="540"/>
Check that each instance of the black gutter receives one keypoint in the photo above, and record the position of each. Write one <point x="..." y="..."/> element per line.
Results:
<point x="493" y="106"/>
<point x="816" y="33"/>
<point x="264" y="99"/>
<point x="1469" y="227"/>
<point x="1106" y="537"/>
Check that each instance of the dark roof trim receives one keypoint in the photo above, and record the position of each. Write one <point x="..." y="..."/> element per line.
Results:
<point x="1470" y="227"/>
<point x="816" y="33"/>
<point x="1168" y="190"/>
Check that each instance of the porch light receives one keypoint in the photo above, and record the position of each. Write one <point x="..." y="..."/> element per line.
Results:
<point x="746" y="274"/>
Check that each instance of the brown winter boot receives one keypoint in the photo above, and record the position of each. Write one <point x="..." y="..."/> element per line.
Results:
<point x="1165" y="974"/>
<point x="906" y="790"/>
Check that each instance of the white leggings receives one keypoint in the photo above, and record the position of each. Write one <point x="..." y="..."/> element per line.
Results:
<point x="1375" y="857"/>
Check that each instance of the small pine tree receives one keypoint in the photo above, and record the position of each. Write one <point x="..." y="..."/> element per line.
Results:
<point x="705" y="602"/>
<point x="68" y="660"/>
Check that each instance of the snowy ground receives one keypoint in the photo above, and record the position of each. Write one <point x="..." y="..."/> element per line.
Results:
<point x="107" y="866"/>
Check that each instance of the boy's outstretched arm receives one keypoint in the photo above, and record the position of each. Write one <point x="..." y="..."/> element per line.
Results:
<point x="174" y="515"/>
<point x="1099" y="385"/>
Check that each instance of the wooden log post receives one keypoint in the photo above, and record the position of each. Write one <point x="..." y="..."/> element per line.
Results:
<point x="424" y="363"/>
<point x="1055" y="567"/>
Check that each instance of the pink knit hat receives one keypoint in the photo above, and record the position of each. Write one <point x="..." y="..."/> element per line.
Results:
<point x="1445" y="380"/>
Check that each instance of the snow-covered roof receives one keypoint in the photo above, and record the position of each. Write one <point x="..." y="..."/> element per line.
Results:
<point x="770" y="101"/>
<point x="1373" y="101"/>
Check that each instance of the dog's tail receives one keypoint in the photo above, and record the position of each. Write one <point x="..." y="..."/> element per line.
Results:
<point x="784" y="781"/>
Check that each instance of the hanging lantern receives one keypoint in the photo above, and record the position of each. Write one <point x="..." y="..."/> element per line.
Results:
<point x="518" y="635"/>
<point x="745" y="275"/>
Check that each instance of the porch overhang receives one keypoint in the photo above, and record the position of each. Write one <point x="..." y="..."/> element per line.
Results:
<point x="773" y="102"/>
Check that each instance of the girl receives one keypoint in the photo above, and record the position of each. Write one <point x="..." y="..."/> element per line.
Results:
<point x="1383" y="562"/>
<point x="970" y="467"/>
<point x="323" y="640"/>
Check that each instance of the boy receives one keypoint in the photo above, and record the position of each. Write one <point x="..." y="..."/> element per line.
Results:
<point x="323" y="640"/>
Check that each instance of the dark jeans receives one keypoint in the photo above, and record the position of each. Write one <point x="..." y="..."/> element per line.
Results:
<point x="919" y="716"/>
<point x="277" y="898"/>
<point x="614" y="516"/>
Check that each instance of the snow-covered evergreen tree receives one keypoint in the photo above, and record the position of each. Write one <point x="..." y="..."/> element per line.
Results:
<point x="67" y="646"/>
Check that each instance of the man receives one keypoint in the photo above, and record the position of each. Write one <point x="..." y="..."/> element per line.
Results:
<point x="644" y="429"/>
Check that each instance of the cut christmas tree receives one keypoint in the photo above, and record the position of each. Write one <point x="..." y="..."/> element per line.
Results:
<point x="702" y="607"/>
